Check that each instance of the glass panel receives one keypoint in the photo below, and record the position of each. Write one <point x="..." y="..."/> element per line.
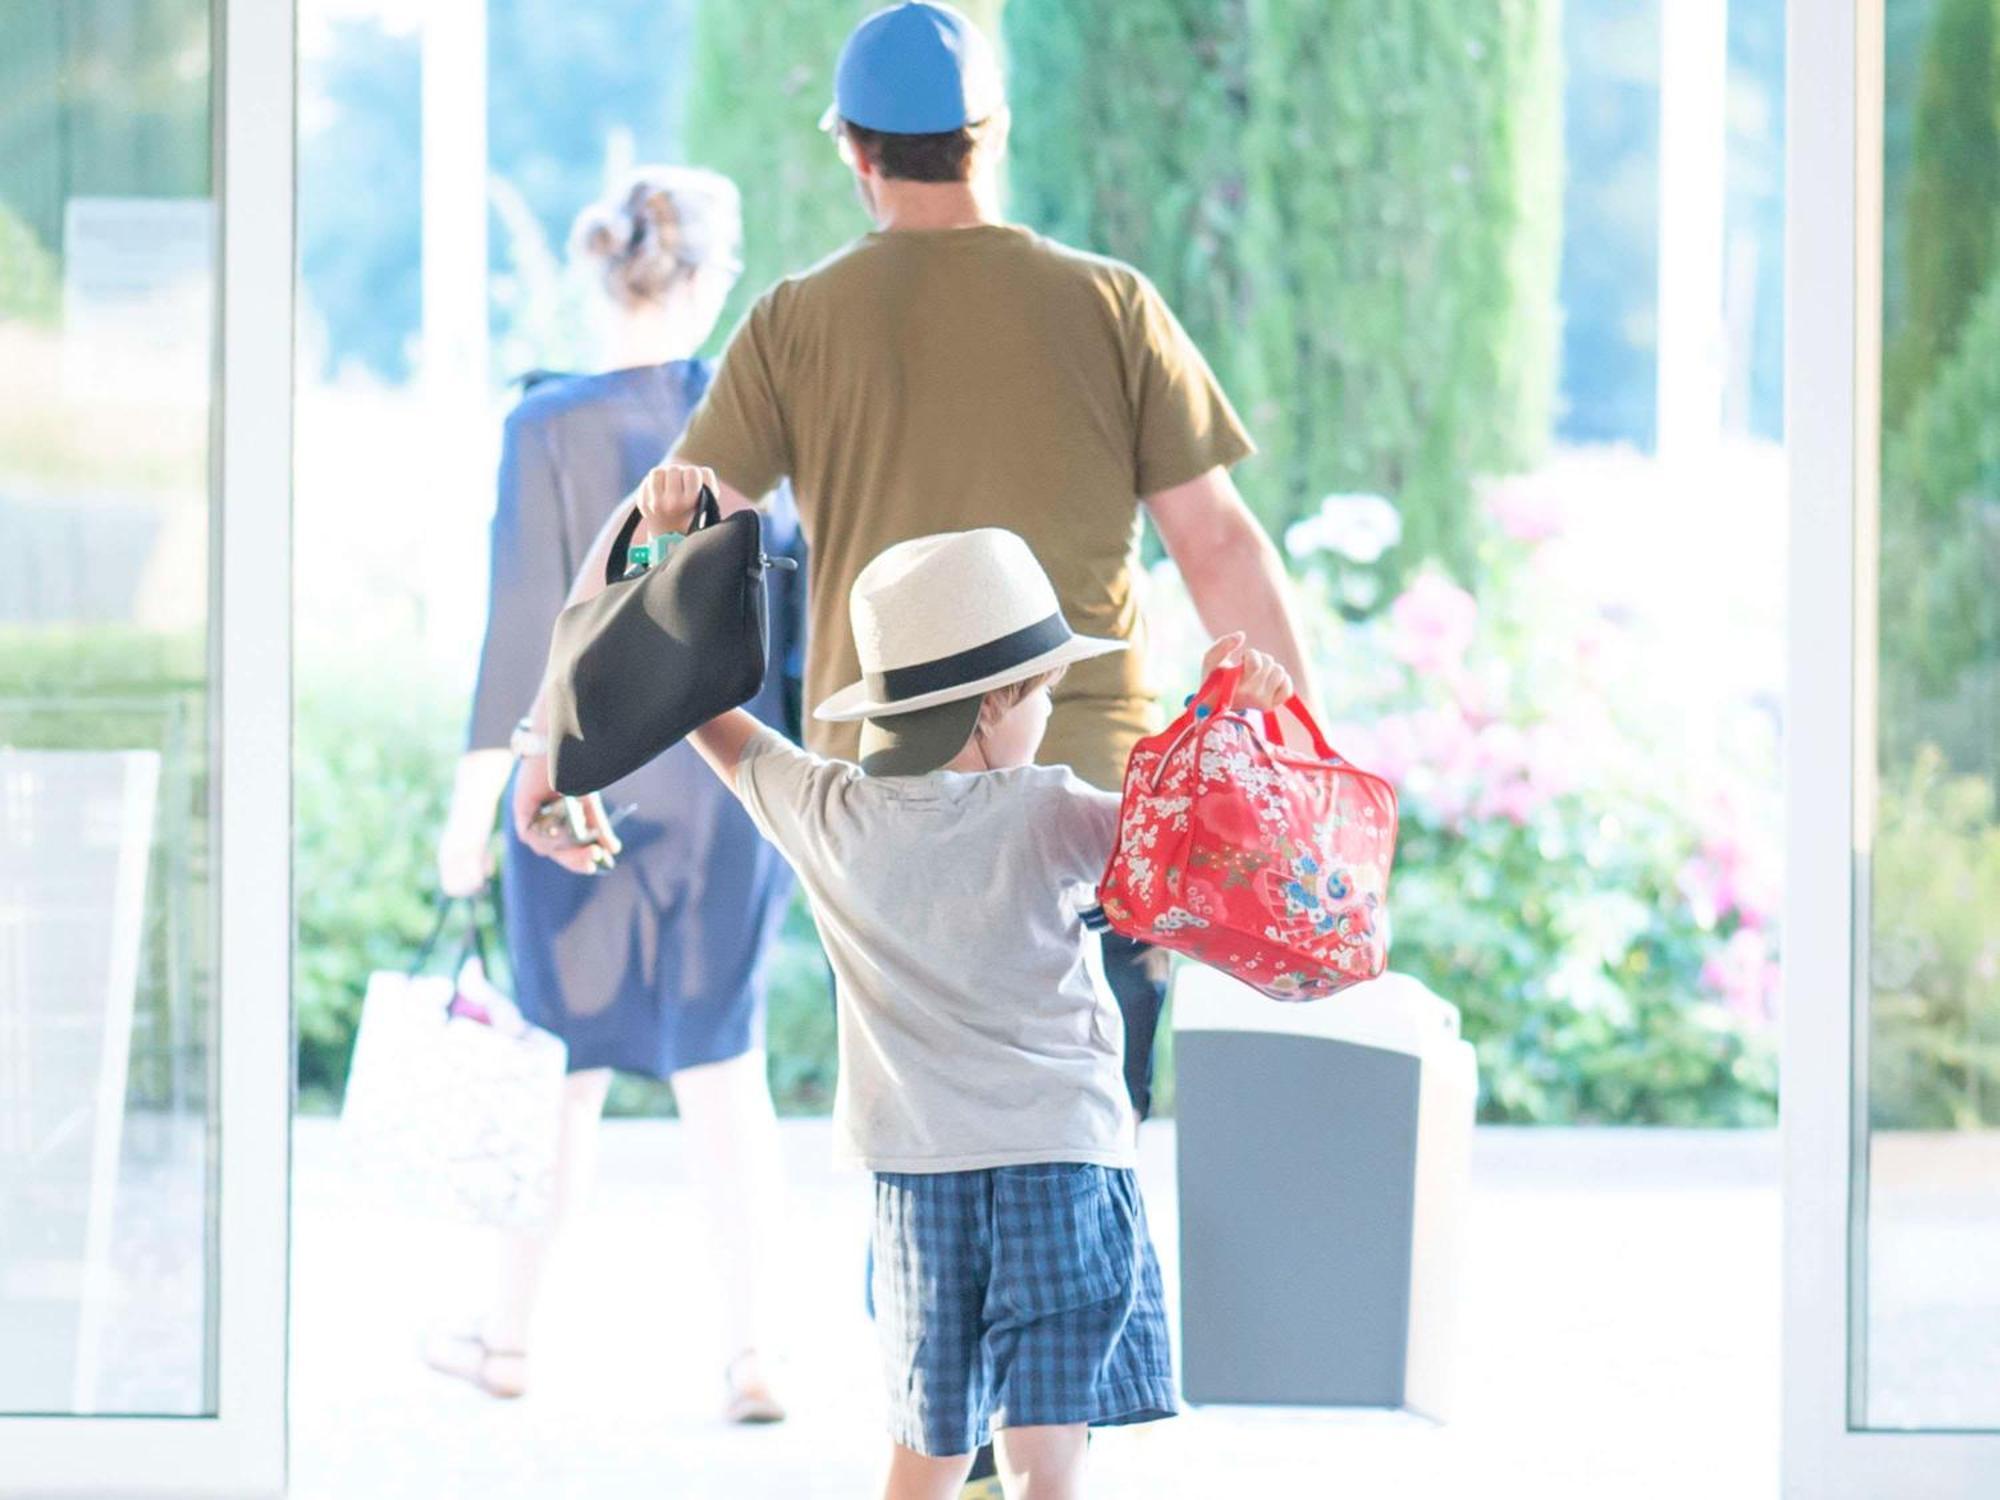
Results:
<point x="1928" y="1324"/>
<point x="107" y="1031"/>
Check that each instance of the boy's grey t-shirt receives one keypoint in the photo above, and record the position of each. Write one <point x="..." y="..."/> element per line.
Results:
<point x="971" y="1034"/>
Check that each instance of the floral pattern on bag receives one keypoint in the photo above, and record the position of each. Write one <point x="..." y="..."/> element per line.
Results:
<point x="1263" y="862"/>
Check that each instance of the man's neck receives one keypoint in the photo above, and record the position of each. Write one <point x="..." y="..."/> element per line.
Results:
<point x="934" y="205"/>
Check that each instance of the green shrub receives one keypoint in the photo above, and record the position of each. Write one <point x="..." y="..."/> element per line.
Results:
<point x="1594" y="892"/>
<point x="373" y="758"/>
<point x="1934" y="1050"/>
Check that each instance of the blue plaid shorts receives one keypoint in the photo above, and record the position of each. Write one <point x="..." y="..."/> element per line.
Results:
<point x="1016" y="1297"/>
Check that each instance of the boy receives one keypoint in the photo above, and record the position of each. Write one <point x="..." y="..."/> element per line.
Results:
<point x="1015" y="1286"/>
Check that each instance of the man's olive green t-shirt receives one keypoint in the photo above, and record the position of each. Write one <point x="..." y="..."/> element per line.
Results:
<point x="935" y="380"/>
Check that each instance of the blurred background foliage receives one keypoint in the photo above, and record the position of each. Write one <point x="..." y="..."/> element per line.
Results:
<point x="1934" y="961"/>
<point x="1416" y="239"/>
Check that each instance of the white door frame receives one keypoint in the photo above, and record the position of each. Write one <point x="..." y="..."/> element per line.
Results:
<point x="241" y="1450"/>
<point x="1833" y="324"/>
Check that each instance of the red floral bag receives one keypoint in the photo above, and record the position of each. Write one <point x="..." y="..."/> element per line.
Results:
<point x="1270" y="865"/>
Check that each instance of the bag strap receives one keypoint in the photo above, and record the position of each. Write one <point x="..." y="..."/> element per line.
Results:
<point x="471" y="946"/>
<point x="707" y="513"/>
<point x="1296" y="707"/>
<point x="1211" y="700"/>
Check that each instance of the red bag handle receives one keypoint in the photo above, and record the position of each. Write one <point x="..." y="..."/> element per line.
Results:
<point x="1217" y="694"/>
<point x="1212" y="699"/>
<point x="1296" y="707"/>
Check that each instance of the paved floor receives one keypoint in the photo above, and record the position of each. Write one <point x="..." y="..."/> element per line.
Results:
<point x="1621" y="1344"/>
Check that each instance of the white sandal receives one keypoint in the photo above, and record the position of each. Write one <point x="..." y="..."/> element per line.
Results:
<point x="468" y="1357"/>
<point x="750" y="1402"/>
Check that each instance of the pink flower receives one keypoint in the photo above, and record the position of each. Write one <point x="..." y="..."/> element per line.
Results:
<point x="1735" y="870"/>
<point x="1432" y="624"/>
<point x="1744" y="975"/>
<point x="1526" y="510"/>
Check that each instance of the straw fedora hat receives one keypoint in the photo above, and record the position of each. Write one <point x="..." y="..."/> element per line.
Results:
<point x="939" y="622"/>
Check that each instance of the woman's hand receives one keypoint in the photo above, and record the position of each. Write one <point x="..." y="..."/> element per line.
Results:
<point x="1264" y="684"/>
<point x="464" y="860"/>
<point x="667" y="497"/>
<point x="465" y="848"/>
<point x="532" y="791"/>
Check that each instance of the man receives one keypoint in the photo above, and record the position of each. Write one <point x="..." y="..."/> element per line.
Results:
<point x="951" y="371"/>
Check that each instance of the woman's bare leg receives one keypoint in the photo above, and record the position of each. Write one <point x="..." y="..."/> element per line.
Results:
<point x="524" y="1253"/>
<point x="912" y="1476"/>
<point x="732" y="1135"/>
<point x="1042" y="1463"/>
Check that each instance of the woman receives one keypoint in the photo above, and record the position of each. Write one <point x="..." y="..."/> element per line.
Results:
<point x="656" y="967"/>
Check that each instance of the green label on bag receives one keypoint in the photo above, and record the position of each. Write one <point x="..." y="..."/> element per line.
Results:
<point x="643" y="555"/>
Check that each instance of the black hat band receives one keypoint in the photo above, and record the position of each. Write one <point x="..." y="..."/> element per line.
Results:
<point x="895" y="684"/>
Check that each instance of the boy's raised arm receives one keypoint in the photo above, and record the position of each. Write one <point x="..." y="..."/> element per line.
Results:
<point x="721" y="740"/>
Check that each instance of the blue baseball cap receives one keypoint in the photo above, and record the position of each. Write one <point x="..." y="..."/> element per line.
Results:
<point x="915" y="69"/>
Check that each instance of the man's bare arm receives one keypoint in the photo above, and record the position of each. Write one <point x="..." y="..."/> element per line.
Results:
<point x="1233" y="572"/>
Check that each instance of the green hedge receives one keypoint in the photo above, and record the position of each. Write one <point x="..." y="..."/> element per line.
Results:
<point x="1354" y="208"/>
<point x="1934" y="1050"/>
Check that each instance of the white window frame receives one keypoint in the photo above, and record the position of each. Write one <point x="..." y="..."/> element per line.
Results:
<point x="240" y="1451"/>
<point x="1833" y="432"/>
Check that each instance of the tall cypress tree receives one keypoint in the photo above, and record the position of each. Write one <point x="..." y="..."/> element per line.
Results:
<point x="1407" y="202"/>
<point x="1128" y="127"/>
<point x="1952" y="214"/>
<point x="1354" y="206"/>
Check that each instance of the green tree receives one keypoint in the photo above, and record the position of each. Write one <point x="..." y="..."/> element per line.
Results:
<point x="1162" y="182"/>
<point x="1940" y="610"/>
<point x="1354" y="207"/>
<point x="1952" y="211"/>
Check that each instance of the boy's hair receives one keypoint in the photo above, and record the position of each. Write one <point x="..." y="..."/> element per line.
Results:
<point x="1002" y="700"/>
<point x="944" y="157"/>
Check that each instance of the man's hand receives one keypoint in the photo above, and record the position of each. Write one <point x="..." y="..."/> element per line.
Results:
<point x="532" y="791"/>
<point x="1265" y="683"/>
<point x="667" y="497"/>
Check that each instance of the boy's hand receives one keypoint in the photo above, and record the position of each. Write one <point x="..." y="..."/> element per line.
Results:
<point x="1265" y="684"/>
<point x="667" y="497"/>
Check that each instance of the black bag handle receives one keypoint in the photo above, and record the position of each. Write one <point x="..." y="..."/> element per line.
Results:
<point x="707" y="512"/>
<point x="472" y="946"/>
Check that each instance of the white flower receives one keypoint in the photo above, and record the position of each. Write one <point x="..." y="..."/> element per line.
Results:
<point x="1359" y="528"/>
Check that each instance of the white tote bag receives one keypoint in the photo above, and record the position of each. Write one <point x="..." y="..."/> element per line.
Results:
<point x="454" y="1102"/>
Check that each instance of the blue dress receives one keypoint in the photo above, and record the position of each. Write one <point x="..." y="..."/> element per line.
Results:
<point x="660" y="964"/>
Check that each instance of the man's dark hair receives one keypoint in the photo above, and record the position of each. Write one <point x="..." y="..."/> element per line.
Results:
<point x="944" y="157"/>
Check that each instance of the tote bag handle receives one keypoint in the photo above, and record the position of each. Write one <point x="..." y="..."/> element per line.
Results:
<point x="473" y="945"/>
<point x="707" y="511"/>
<point x="1295" y="706"/>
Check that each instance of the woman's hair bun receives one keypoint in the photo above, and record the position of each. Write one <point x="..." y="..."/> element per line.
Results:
<point x="661" y="224"/>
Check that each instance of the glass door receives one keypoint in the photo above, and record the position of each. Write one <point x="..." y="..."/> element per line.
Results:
<point x="145" y="317"/>
<point x="1892" y="1062"/>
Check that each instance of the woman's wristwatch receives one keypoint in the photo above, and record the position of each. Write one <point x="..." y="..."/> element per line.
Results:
<point x="524" y="742"/>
